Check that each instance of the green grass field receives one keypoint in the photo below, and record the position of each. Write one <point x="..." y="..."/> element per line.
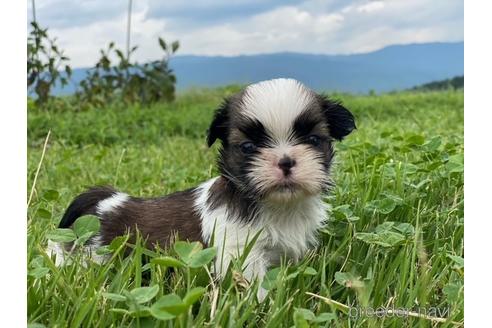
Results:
<point x="395" y="238"/>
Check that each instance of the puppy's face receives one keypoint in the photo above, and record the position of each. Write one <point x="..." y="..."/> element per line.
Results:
<point x="277" y="139"/>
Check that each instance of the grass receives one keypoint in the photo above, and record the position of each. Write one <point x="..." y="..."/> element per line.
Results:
<point x="394" y="240"/>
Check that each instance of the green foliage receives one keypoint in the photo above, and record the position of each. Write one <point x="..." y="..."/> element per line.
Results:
<point x="45" y="60"/>
<point x="303" y="316"/>
<point x="128" y="82"/>
<point x="165" y="308"/>
<point x="394" y="238"/>
<point x="189" y="116"/>
<point x="123" y="82"/>
<point x="457" y="82"/>
<point x="61" y="235"/>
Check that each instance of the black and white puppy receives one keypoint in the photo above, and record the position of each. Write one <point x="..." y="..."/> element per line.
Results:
<point x="277" y="148"/>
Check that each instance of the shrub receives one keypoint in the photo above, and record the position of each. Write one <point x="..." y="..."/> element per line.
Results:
<point x="44" y="63"/>
<point x="129" y="82"/>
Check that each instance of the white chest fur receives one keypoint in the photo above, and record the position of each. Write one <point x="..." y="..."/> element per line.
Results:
<point x="288" y="230"/>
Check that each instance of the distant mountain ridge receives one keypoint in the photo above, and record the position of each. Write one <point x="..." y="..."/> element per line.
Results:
<point x="392" y="68"/>
<point x="457" y="82"/>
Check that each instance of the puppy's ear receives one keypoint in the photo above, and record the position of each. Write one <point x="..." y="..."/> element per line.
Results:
<point x="220" y="124"/>
<point x="340" y="121"/>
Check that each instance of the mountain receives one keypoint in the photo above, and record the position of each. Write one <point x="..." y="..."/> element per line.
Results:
<point x="392" y="68"/>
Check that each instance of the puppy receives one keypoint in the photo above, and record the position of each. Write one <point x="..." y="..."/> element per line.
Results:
<point x="277" y="149"/>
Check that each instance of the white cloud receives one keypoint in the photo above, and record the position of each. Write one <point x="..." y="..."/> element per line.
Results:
<point x="282" y="29"/>
<point x="371" y="6"/>
<point x="312" y="26"/>
<point x="82" y="43"/>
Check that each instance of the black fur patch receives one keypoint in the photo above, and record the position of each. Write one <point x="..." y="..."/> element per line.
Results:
<point x="220" y="126"/>
<point x="307" y="122"/>
<point x="340" y="121"/>
<point x="254" y="131"/>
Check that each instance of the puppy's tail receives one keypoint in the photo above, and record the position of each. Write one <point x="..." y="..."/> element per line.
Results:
<point x="86" y="203"/>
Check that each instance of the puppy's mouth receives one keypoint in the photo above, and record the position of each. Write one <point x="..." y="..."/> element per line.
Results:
<point x="286" y="186"/>
<point x="284" y="192"/>
<point x="291" y="188"/>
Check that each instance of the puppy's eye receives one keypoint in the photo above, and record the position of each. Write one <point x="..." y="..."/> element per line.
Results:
<point x="313" y="140"/>
<point x="247" y="147"/>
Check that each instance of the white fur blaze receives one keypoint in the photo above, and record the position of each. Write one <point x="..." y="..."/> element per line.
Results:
<point x="276" y="104"/>
<point x="202" y="208"/>
<point x="109" y="204"/>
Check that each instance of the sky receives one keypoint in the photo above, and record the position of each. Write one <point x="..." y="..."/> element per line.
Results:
<point x="243" y="27"/>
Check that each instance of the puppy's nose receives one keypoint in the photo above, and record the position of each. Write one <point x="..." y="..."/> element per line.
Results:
<point x="285" y="164"/>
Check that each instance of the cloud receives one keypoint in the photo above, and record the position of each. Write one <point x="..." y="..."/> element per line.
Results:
<point x="285" y="28"/>
<point x="82" y="43"/>
<point x="221" y="27"/>
<point x="371" y="6"/>
<point x="212" y="11"/>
